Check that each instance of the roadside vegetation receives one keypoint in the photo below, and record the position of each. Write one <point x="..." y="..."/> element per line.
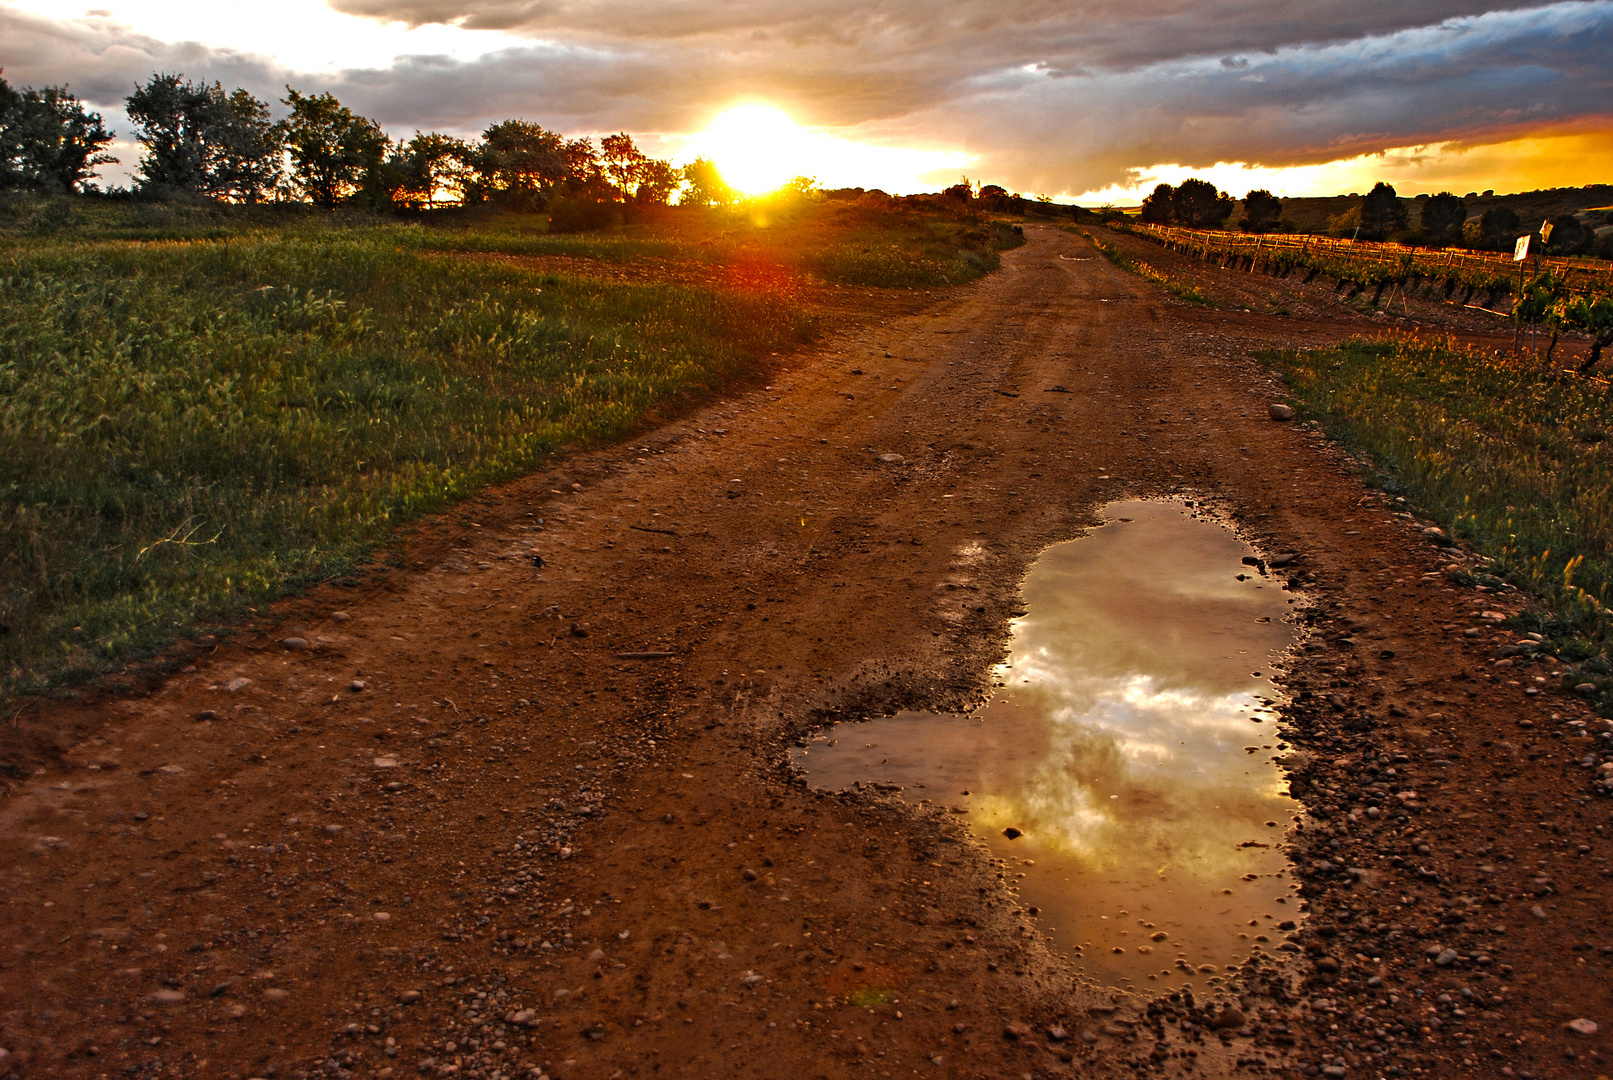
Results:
<point x="203" y="406"/>
<point x="1180" y="289"/>
<point x="1510" y="455"/>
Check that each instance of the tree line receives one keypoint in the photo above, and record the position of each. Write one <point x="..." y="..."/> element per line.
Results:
<point x="1380" y="215"/>
<point x="198" y="140"/>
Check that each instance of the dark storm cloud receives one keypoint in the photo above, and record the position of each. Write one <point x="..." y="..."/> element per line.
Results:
<point x="1053" y="96"/>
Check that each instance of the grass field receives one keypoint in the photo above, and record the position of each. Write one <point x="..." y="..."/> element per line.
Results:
<point x="1514" y="457"/>
<point x="200" y="410"/>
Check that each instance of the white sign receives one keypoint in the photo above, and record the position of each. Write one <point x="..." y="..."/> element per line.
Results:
<point x="1521" y="251"/>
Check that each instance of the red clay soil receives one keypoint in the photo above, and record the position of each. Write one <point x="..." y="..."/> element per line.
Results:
<point x="485" y="815"/>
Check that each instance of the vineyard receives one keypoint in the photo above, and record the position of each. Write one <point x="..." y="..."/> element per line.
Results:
<point x="1557" y="294"/>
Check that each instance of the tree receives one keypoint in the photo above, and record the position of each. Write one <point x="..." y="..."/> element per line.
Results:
<point x="798" y="189"/>
<point x="48" y="140"/>
<point x="1262" y="211"/>
<point x="1443" y="217"/>
<point x="641" y="179"/>
<point x="582" y="174"/>
<point x="1498" y="228"/>
<point x="331" y="149"/>
<point x="1157" y="209"/>
<point x="1382" y="213"/>
<point x="703" y="185"/>
<point x="657" y="181"/>
<point x="521" y="157"/>
<point x="199" y="140"/>
<point x="1197" y="204"/>
<point x="248" y="151"/>
<point x="1569" y="237"/>
<point x="621" y="163"/>
<point x="435" y="168"/>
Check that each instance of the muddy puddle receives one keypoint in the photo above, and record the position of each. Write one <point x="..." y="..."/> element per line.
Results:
<point x="1123" y="772"/>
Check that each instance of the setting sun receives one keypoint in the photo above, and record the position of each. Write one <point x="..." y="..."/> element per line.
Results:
<point x="758" y="147"/>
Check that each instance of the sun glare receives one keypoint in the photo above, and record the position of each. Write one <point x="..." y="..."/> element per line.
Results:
<point x="758" y="148"/>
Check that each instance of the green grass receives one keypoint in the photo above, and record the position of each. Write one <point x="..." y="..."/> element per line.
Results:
<point x="839" y="245"/>
<point x="192" y="428"/>
<point x="1179" y="289"/>
<point x="203" y="408"/>
<point x="1513" y="457"/>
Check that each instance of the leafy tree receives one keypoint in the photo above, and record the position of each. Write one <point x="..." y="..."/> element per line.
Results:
<point x="703" y="185"/>
<point x="583" y="175"/>
<point x="1443" y="217"/>
<point x="620" y="162"/>
<point x="1199" y="205"/>
<point x="48" y="140"/>
<point x="389" y="180"/>
<point x="1262" y="211"/>
<point x="436" y="167"/>
<point x="641" y="179"/>
<point x="798" y="188"/>
<point x="197" y="139"/>
<point x="1499" y="228"/>
<point x="333" y="151"/>
<point x="1570" y="237"/>
<point x="1157" y="208"/>
<point x="1382" y="213"/>
<point x="521" y="157"/>
<point x="657" y="181"/>
<point x="249" y="149"/>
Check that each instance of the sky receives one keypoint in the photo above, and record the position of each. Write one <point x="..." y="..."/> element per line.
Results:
<point x="1090" y="100"/>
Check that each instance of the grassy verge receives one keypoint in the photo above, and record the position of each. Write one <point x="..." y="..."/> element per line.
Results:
<point x="225" y="408"/>
<point x="1177" y="288"/>
<point x="828" y="242"/>
<point x="1512" y="457"/>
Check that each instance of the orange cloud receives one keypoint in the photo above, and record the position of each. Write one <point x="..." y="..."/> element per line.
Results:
<point x="1565" y="157"/>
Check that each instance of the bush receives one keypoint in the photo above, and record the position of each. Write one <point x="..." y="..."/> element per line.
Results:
<point x="571" y="214"/>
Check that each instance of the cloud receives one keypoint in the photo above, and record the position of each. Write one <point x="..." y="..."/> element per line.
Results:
<point x="1048" y="96"/>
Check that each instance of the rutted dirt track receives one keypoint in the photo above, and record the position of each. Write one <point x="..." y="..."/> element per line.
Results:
<point x="459" y="833"/>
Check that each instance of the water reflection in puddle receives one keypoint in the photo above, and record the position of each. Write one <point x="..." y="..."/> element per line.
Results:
<point x="1123" y="747"/>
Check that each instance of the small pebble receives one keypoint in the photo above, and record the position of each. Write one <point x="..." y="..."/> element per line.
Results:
<point x="1281" y="412"/>
<point x="1583" y="1027"/>
<point x="294" y="643"/>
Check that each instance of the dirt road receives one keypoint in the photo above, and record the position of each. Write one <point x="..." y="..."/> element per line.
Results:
<point x="521" y="804"/>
